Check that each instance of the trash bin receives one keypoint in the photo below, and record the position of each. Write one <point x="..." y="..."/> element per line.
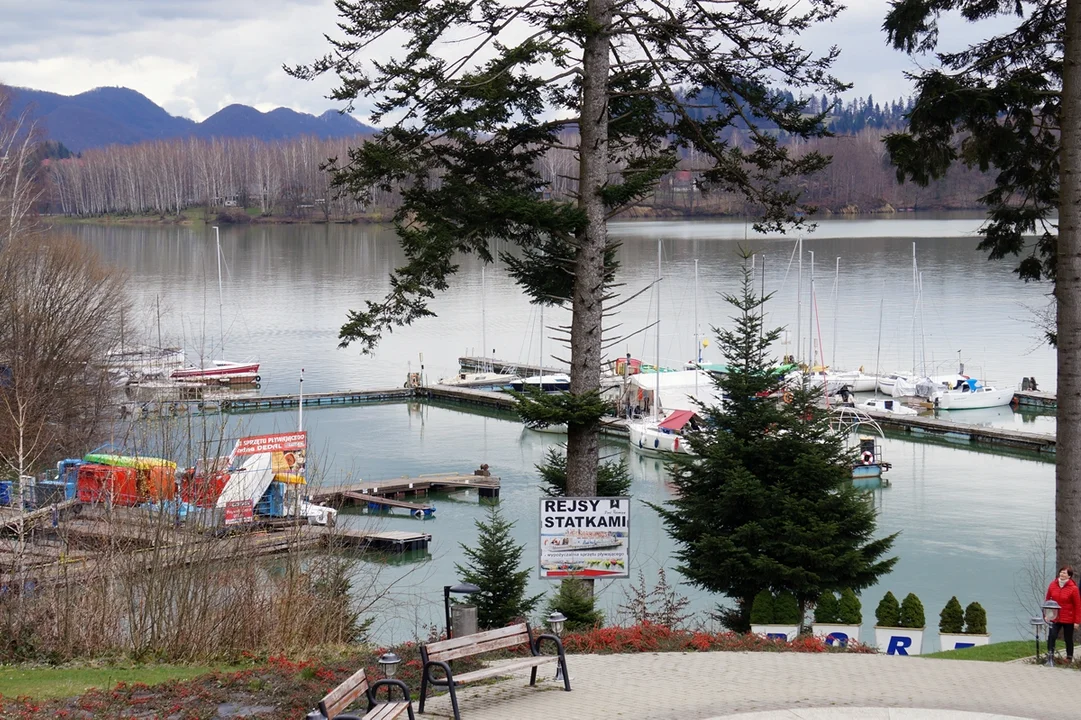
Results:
<point x="463" y="619"/>
<point x="5" y="492"/>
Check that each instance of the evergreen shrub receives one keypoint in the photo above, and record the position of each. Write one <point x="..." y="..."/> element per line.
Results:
<point x="975" y="619"/>
<point x="888" y="612"/>
<point x="786" y="610"/>
<point x="951" y="619"/>
<point x="850" y="611"/>
<point x="762" y="609"/>
<point x="912" y="612"/>
<point x="827" y="609"/>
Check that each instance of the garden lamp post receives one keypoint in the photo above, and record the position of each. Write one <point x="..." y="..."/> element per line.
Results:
<point x="1037" y="623"/>
<point x="388" y="663"/>
<point x="459" y="589"/>
<point x="556" y="621"/>
<point x="1050" y="615"/>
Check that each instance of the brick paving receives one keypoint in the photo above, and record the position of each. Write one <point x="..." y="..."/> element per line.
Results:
<point x="701" y="686"/>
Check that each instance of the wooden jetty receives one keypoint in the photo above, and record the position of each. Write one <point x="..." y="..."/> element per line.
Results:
<point x="965" y="432"/>
<point x="1035" y="399"/>
<point x="419" y="510"/>
<point x="505" y="367"/>
<point x="397" y="488"/>
<point x="342" y="397"/>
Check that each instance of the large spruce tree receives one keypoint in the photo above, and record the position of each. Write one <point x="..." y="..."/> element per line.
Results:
<point x="1012" y="104"/>
<point x="766" y="502"/>
<point x="470" y="97"/>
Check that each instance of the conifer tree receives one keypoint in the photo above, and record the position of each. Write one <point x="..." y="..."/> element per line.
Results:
<point x="479" y="92"/>
<point x="494" y="567"/>
<point x="767" y="500"/>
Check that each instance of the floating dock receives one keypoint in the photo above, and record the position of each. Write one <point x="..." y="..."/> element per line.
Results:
<point x="917" y="426"/>
<point x="1035" y="399"/>
<point x="505" y="367"/>
<point x="387" y="491"/>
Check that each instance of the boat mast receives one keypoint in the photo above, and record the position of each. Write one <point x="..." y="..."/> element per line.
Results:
<point x="657" y="368"/>
<point x="697" y="345"/>
<point x="878" y="355"/>
<point x="915" y="305"/>
<point x="923" y="331"/>
<point x="300" y="405"/>
<point x="811" y="317"/>
<point x="483" y="323"/>
<point x="799" y="298"/>
<point x="221" y="316"/>
<point x="836" y="298"/>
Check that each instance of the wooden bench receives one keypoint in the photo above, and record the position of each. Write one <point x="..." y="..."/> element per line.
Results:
<point x="356" y="685"/>
<point x="438" y="655"/>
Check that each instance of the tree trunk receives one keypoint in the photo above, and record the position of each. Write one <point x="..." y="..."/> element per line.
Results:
<point x="582" y="448"/>
<point x="1068" y="295"/>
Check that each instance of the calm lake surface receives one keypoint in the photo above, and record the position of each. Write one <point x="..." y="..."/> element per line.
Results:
<point x="969" y="521"/>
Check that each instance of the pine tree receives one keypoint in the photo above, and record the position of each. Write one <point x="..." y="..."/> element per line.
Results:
<point x="613" y="477"/>
<point x="850" y="611"/>
<point x="767" y="499"/>
<point x="827" y="609"/>
<point x="952" y="617"/>
<point x="494" y="568"/>
<point x="578" y="604"/>
<point x="623" y="88"/>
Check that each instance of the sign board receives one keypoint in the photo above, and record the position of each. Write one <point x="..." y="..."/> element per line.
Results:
<point x="239" y="511"/>
<point x="585" y="537"/>
<point x="281" y="442"/>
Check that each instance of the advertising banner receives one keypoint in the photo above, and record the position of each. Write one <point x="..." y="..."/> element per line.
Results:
<point x="281" y="442"/>
<point x="585" y="537"/>
<point x="239" y="511"/>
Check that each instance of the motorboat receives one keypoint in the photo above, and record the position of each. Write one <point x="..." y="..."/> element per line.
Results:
<point x="556" y="382"/>
<point x="886" y="405"/>
<point x="972" y="395"/>
<point x="495" y="380"/>
<point x="220" y="371"/>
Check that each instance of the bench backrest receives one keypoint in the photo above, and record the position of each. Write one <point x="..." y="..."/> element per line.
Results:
<point x="344" y="695"/>
<point x="478" y="643"/>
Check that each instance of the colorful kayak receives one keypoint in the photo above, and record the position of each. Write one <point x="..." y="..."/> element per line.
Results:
<point x="139" y="463"/>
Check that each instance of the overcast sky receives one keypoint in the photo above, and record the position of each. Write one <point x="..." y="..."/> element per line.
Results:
<point x="194" y="57"/>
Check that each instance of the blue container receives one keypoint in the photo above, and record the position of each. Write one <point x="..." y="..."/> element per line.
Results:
<point x="5" y="492"/>
<point x="68" y="473"/>
<point x="272" y="504"/>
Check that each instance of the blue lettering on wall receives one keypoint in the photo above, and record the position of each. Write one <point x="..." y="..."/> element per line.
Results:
<point x="837" y="638"/>
<point x="898" y="645"/>
<point x="777" y="636"/>
<point x="958" y="646"/>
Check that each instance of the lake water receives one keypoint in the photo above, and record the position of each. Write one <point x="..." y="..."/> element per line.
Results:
<point x="968" y="520"/>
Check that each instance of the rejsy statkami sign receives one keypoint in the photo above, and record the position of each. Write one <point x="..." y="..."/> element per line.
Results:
<point x="585" y="537"/>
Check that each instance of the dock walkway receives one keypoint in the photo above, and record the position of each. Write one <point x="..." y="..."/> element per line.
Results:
<point x="346" y="493"/>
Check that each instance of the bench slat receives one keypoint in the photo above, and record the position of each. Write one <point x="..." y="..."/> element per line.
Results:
<point x="454" y="643"/>
<point x="488" y="672"/>
<point x="480" y="647"/>
<point x="344" y="695"/>
<point x="386" y="711"/>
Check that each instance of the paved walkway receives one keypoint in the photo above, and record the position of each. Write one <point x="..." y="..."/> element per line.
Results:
<point x="700" y="686"/>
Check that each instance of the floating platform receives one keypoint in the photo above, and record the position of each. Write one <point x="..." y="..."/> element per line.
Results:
<point x="1035" y="399"/>
<point x="377" y="502"/>
<point x="394" y="489"/>
<point x="917" y="426"/>
<point x="505" y="367"/>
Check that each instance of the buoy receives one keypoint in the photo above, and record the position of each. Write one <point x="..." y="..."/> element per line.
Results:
<point x="867" y="457"/>
<point x="656" y="442"/>
<point x="675" y="445"/>
<point x="787" y="397"/>
<point x="258" y="379"/>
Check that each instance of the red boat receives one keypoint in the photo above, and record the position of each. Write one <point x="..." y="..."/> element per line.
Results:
<point x="221" y="371"/>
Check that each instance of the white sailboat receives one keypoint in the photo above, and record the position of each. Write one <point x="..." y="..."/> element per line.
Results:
<point x="553" y="382"/>
<point x="972" y="395"/>
<point x="221" y="371"/>
<point x="487" y="377"/>
<point x="658" y="435"/>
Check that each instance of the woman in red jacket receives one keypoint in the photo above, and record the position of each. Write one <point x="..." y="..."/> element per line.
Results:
<point x="1065" y="593"/>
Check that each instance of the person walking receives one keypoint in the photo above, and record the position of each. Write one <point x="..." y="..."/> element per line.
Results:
<point x="1064" y="591"/>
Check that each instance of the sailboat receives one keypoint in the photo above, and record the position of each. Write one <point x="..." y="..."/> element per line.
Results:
<point x="553" y="382"/>
<point x="658" y="435"/>
<point x="221" y="371"/>
<point x="487" y="378"/>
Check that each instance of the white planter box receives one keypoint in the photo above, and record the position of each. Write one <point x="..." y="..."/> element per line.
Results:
<point x="836" y="634"/>
<point x="899" y="641"/>
<point x="787" y="633"/>
<point x="956" y="641"/>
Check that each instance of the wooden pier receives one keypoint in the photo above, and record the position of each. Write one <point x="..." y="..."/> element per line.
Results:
<point x="1035" y="399"/>
<point x="387" y="491"/>
<point x="419" y="510"/>
<point x="342" y="397"/>
<point x="505" y="367"/>
<point x="918" y="426"/>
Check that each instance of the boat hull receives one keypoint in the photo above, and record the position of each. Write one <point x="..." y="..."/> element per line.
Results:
<point x="986" y="398"/>
<point x="224" y="370"/>
<point x="646" y="439"/>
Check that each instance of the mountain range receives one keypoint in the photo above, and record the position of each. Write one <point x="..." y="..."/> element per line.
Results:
<point x="117" y="115"/>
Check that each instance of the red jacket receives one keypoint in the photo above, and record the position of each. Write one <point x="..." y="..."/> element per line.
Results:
<point x="1069" y="600"/>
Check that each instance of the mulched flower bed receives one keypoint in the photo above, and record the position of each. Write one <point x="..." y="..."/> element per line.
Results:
<point x="280" y="688"/>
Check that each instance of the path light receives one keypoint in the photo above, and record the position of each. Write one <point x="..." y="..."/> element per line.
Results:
<point x="388" y="663"/>
<point x="556" y="621"/>
<point x="1050" y="615"/>
<point x="1037" y="623"/>
<point x="459" y="589"/>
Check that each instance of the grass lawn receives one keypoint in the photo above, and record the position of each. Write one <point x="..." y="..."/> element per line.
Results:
<point x="50" y="682"/>
<point x="995" y="652"/>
